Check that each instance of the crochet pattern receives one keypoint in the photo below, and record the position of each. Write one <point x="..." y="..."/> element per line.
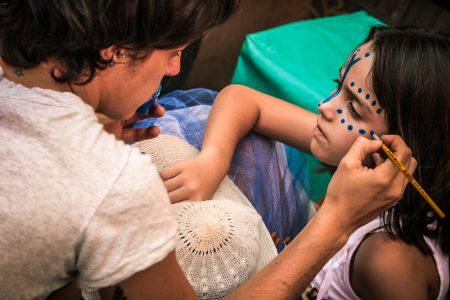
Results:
<point x="221" y="242"/>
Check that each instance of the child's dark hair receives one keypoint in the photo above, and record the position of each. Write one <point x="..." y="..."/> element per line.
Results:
<point x="411" y="78"/>
<point x="75" y="31"/>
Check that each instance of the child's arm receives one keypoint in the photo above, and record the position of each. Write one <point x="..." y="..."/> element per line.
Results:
<point x="237" y="111"/>
<point x="387" y="268"/>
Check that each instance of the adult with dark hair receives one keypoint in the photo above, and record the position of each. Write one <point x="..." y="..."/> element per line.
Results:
<point x="396" y="83"/>
<point x="75" y="202"/>
<point x="78" y="203"/>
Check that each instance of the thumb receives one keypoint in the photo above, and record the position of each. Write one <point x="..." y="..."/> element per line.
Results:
<point x="133" y="135"/>
<point x="362" y="147"/>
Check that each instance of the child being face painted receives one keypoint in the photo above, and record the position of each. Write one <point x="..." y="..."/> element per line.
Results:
<point x="351" y="111"/>
<point x="396" y="83"/>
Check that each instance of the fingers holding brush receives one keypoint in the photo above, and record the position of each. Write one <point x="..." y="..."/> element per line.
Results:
<point x="403" y="161"/>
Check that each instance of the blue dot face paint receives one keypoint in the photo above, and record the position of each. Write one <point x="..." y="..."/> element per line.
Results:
<point x="350" y="125"/>
<point x="379" y="111"/>
<point x="347" y="114"/>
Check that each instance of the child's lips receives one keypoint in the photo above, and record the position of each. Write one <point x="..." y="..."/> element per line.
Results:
<point x="318" y="133"/>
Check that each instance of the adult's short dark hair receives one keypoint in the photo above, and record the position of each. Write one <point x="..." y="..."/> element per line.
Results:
<point x="411" y="79"/>
<point x="75" y="31"/>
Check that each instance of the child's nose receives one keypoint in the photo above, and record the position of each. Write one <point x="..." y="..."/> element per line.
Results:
<point x="327" y="110"/>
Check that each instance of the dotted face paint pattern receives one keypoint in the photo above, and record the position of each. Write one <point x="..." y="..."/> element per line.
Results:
<point x="351" y="63"/>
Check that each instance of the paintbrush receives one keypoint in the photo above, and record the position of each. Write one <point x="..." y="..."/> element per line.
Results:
<point x="408" y="176"/>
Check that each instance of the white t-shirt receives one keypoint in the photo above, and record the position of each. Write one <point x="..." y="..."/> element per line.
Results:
<point x="74" y="201"/>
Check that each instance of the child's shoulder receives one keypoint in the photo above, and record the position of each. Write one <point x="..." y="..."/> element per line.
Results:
<point x="387" y="267"/>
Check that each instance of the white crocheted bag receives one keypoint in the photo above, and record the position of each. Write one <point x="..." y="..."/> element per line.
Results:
<point x="223" y="241"/>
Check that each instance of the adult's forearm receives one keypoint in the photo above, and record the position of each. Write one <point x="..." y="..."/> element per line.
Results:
<point x="287" y="276"/>
<point x="355" y="195"/>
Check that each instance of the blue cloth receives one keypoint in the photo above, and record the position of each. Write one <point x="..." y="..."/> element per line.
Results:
<point x="275" y="183"/>
<point x="147" y="106"/>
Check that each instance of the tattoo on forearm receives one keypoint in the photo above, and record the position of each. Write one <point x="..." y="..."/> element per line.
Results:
<point x="119" y="294"/>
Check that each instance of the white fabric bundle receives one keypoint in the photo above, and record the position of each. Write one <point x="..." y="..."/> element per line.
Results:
<point x="223" y="241"/>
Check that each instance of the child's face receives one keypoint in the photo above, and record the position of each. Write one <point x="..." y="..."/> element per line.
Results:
<point x="351" y="111"/>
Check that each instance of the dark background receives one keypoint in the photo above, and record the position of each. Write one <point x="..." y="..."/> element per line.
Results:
<point x="210" y="62"/>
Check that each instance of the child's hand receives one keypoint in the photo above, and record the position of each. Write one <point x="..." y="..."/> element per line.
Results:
<point x="357" y="194"/>
<point x="193" y="179"/>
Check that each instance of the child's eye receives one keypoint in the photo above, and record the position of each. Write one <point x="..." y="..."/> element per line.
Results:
<point x="353" y="111"/>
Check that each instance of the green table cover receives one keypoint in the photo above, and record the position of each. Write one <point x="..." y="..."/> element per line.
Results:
<point x="298" y="62"/>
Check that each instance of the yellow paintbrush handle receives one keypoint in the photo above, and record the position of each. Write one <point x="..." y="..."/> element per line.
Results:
<point x="411" y="179"/>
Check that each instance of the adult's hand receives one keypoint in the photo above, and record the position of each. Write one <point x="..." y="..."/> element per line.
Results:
<point x="132" y="135"/>
<point x="357" y="194"/>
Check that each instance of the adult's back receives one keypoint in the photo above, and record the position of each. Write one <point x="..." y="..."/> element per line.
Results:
<point x="74" y="200"/>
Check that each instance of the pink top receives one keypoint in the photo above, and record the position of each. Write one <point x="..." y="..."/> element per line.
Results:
<point x="333" y="281"/>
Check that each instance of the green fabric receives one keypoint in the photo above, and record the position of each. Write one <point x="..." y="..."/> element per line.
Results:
<point x="297" y="62"/>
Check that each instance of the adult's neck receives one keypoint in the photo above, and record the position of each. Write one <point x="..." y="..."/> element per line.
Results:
<point x="40" y="76"/>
